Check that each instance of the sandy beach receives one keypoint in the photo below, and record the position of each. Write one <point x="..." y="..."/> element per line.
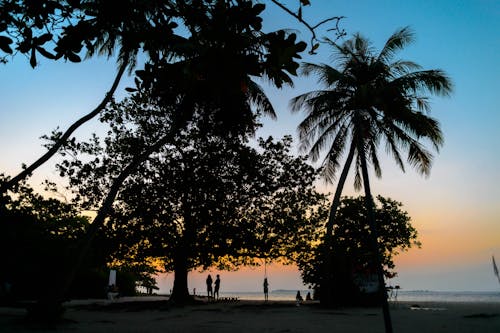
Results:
<point x="155" y="315"/>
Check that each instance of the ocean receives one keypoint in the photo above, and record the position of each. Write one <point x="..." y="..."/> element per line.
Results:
<point x="402" y="295"/>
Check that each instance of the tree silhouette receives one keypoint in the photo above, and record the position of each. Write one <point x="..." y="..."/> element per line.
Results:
<point x="353" y="260"/>
<point x="187" y="72"/>
<point x="369" y="99"/>
<point x="65" y="29"/>
<point x="201" y="199"/>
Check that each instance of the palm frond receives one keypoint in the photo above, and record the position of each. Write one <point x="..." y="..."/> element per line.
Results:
<point x="419" y="158"/>
<point x="422" y="103"/>
<point x="402" y="67"/>
<point x="258" y="97"/>
<point x="301" y="102"/>
<point x="326" y="75"/>
<point x="334" y="137"/>
<point x="329" y="168"/>
<point x="419" y="125"/>
<point x="434" y="81"/>
<point x="374" y="158"/>
<point x="392" y="147"/>
<point x="396" y="42"/>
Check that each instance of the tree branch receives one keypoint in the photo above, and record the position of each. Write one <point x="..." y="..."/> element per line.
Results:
<point x="53" y="150"/>
<point x="312" y="28"/>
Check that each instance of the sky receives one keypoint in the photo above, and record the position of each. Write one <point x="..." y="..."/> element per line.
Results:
<point x="456" y="210"/>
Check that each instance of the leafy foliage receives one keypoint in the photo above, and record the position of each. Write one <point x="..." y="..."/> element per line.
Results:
<point x="37" y="240"/>
<point x="353" y="253"/>
<point x="203" y="199"/>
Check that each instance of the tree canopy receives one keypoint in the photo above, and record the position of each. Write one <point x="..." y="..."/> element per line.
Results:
<point x="38" y="237"/>
<point x="202" y="199"/>
<point x="209" y="49"/>
<point x="353" y="261"/>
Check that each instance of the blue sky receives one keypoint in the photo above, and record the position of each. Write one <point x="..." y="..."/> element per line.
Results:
<point x="456" y="210"/>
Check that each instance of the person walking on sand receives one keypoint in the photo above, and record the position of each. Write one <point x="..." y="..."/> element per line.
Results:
<point x="266" y="289"/>
<point x="209" y="286"/>
<point x="217" y="286"/>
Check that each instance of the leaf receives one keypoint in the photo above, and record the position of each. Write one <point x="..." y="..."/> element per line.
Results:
<point x="4" y="44"/>
<point x="131" y="89"/>
<point x="44" y="38"/>
<point x="33" y="58"/>
<point x="305" y="2"/>
<point x="73" y="57"/>
<point x="45" y="53"/>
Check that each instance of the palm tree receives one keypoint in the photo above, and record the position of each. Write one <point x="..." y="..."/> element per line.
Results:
<point x="367" y="100"/>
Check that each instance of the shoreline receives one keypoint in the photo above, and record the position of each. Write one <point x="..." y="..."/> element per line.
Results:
<point x="156" y="315"/>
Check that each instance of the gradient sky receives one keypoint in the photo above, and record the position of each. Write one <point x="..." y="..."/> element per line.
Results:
<point x="456" y="210"/>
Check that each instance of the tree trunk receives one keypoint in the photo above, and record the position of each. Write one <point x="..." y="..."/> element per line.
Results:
<point x="374" y="239"/>
<point x="53" y="150"/>
<point x="327" y="285"/>
<point x="52" y="304"/>
<point x="180" y="292"/>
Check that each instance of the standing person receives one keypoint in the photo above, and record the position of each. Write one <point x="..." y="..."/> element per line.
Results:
<point x="209" y="286"/>
<point x="298" y="298"/>
<point x="266" y="290"/>
<point x="217" y="286"/>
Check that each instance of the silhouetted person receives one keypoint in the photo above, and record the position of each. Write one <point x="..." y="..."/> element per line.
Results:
<point x="308" y="296"/>
<point x="298" y="298"/>
<point x="217" y="286"/>
<point x="266" y="289"/>
<point x="209" y="286"/>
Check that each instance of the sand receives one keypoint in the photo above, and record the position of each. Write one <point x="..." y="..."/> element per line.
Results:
<point x="254" y="316"/>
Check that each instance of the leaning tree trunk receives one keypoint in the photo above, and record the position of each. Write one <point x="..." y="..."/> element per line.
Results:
<point x="374" y="239"/>
<point x="327" y="284"/>
<point x="53" y="150"/>
<point x="51" y="306"/>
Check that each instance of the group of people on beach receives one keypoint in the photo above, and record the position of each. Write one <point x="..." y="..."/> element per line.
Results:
<point x="214" y="292"/>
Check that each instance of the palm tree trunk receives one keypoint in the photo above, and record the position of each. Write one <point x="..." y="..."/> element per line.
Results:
<point x="326" y="285"/>
<point x="53" y="150"/>
<point x="374" y="239"/>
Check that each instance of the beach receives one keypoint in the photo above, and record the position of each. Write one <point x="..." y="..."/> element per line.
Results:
<point x="155" y="315"/>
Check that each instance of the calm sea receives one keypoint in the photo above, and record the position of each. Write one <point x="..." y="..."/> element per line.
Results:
<point x="410" y="296"/>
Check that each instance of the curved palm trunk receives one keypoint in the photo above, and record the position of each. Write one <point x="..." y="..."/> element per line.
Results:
<point x="373" y="239"/>
<point x="53" y="150"/>
<point x="327" y="285"/>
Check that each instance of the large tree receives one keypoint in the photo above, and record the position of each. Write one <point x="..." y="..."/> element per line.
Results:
<point x="353" y="261"/>
<point x="163" y="32"/>
<point x="204" y="67"/>
<point x="368" y="99"/>
<point x="203" y="199"/>
<point x="194" y="82"/>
